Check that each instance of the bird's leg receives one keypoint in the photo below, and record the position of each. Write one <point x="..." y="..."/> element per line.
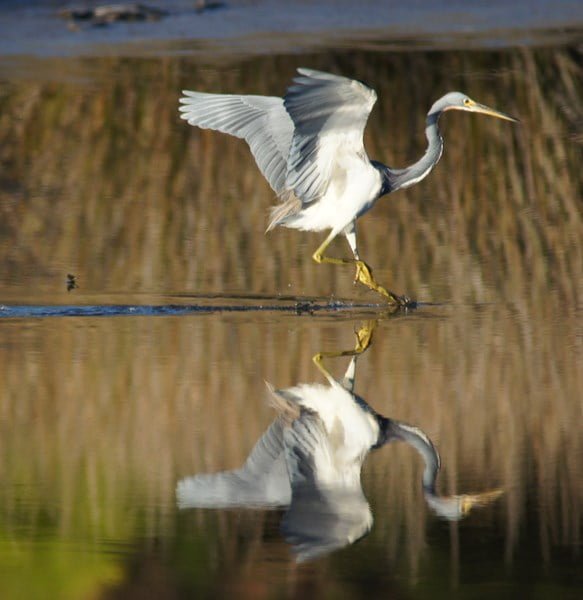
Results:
<point x="319" y="257"/>
<point x="364" y="337"/>
<point x="364" y="275"/>
<point x="364" y="272"/>
<point x="363" y="341"/>
<point x="350" y="375"/>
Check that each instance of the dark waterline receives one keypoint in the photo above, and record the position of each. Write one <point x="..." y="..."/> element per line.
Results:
<point x="299" y="307"/>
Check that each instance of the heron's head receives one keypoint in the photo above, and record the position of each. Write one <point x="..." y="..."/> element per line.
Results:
<point x="455" y="508"/>
<point x="459" y="101"/>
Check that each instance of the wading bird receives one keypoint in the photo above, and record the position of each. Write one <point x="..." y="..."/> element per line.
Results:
<point x="309" y="147"/>
<point x="309" y="461"/>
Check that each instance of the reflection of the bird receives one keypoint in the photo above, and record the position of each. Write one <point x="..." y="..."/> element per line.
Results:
<point x="309" y="460"/>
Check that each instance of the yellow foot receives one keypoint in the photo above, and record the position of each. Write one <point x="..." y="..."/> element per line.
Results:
<point x="364" y="275"/>
<point x="364" y="336"/>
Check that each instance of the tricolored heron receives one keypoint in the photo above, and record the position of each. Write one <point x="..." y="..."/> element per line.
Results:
<point x="309" y="461"/>
<point x="309" y="146"/>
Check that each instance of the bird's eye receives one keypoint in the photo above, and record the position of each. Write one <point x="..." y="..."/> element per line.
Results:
<point x="467" y="101"/>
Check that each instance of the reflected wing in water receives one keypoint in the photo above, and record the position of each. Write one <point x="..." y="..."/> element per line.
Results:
<point x="322" y="517"/>
<point x="321" y="520"/>
<point x="261" y="481"/>
<point x="310" y="460"/>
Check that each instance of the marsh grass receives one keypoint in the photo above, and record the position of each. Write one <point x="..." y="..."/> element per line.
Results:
<point x="105" y="178"/>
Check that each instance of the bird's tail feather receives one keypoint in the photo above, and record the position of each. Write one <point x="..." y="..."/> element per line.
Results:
<point x="289" y="206"/>
<point x="285" y="404"/>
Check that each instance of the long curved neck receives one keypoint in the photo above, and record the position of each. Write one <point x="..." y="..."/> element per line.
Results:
<point x="417" y="438"/>
<point x="420" y="169"/>
<point x="448" y="507"/>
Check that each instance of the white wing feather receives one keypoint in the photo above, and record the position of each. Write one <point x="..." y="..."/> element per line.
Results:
<point x="260" y="120"/>
<point x="329" y="114"/>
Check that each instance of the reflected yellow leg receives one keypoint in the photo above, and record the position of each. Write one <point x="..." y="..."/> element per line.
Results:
<point x="364" y="337"/>
<point x="363" y="274"/>
<point x="363" y="341"/>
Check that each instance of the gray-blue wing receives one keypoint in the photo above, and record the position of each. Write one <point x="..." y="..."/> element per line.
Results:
<point x="325" y="514"/>
<point x="261" y="481"/>
<point x="321" y="520"/>
<point x="329" y="114"/>
<point x="307" y="450"/>
<point x="261" y="121"/>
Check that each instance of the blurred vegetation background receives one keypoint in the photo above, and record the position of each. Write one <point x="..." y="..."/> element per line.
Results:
<point x="100" y="176"/>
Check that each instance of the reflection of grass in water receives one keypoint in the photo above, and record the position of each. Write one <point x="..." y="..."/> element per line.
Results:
<point x="113" y="420"/>
<point x="104" y="176"/>
<point x="53" y="569"/>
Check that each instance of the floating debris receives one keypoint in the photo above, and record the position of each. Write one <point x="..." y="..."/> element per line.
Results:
<point x="204" y="5"/>
<point x="106" y="14"/>
<point x="305" y="307"/>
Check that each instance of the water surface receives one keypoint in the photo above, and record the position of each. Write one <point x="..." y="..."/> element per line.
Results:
<point x="258" y="27"/>
<point x="101" y="417"/>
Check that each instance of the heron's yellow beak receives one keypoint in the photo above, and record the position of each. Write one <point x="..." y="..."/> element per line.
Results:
<point x="469" y="501"/>
<point x="476" y="107"/>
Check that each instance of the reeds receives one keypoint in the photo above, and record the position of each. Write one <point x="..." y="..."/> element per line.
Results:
<point x="104" y="177"/>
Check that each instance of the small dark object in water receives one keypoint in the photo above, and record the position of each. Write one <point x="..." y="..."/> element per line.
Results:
<point x="109" y="13"/>
<point x="304" y="307"/>
<point x="202" y="5"/>
<point x="81" y="14"/>
<point x="71" y="282"/>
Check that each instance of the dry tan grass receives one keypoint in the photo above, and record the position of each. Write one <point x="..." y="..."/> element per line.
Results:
<point x="105" y="179"/>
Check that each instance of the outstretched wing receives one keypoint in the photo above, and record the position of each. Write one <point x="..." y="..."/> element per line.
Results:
<point x="329" y="114"/>
<point x="261" y="481"/>
<point x="260" y="120"/>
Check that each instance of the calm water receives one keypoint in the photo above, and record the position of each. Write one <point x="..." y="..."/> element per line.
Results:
<point x="102" y="417"/>
<point x="154" y="368"/>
